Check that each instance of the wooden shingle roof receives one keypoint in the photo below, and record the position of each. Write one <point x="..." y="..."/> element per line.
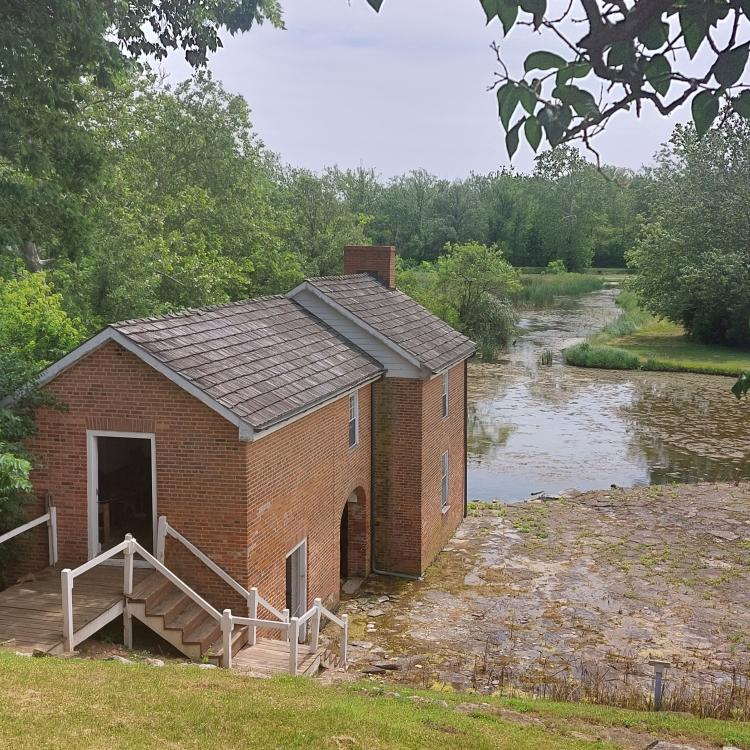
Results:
<point x="264" y="359"/>
<point x="395" y="315"/>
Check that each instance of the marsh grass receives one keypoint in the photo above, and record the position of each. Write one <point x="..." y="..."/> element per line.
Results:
<point x="541" y="290"/>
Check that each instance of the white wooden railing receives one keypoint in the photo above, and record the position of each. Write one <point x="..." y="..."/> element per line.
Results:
<point x="251" y="596"/>
<point x="289" y="627"/>
<point x="50" y="518"/>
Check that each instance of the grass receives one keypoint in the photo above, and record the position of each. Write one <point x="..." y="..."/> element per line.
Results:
<point x="639" y="341"/>
<point x="54" y="703"/>
<point x="540" y="290"/>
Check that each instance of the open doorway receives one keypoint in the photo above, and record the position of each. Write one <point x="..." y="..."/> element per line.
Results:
<point x="296" y="584"/>
<point x="121" y="471"/>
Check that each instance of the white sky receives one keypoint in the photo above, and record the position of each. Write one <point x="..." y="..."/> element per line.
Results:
<point x="401" y="90"/>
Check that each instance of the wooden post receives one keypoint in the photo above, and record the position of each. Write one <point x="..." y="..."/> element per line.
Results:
<point x="344" y="639"/>
<point x="315" y="634"/>
<point x="161" y="539"/>
<point x="127" y="627"/>
<point x="285" y="615"/>
<point x="226" y="638"/>
<point x="52" y="533"/>
<point x="252" y="612"/>
<point x="293" y="645"/>
<point x="66" y="581"/>
<point x="127" y="586"/>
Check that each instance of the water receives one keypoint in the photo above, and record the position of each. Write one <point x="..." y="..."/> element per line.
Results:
<point x="536" y="428"/>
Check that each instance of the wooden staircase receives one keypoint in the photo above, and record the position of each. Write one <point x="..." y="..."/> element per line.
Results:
<point x="165" y="609"/>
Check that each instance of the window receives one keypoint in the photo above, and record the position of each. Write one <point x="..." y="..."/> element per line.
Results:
<point x="353" y="419"/>
<point x="444" y="460"/>
<point x="445" y="395"/>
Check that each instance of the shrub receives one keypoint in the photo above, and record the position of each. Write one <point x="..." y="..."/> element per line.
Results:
<point x="606" y="357"/>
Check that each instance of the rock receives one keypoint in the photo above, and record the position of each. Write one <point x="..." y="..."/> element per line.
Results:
<point x="469" y="708"/>
<point x="377" y="651"/>
<point x="376" y="613"/>
<point x="154" y="662"/>
<point x="394" y="694"/>
<point x="207" y="666"/>
<point x="386" y="665"/>
<point x="383" y="599"/>
<point x="372" y="669"/>
<point x="351" y="585"/>
<point x="367" y="645"/>
<point x="23" y="653"/>
<point x="120" y="659"/>
<point x="661" y="745"/>
<point x="728" y="536"/>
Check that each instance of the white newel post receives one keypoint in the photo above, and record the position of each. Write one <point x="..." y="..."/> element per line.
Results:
<point x="66" y="581"/>
<point x="344" y="638"/>
<point x="52" y="532"/>
<point x="127" y="586"/>
<point x="226" y="638"/>
<point x="315" y="634"/>
<point x="293" y="645"/>
<point x="285" y="616"/>
<point x="161" y="539"/>
<point x="252" y="612"/>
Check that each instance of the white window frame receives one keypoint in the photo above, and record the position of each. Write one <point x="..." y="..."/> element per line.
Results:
<point x="445" y="395"/>
<point x="353" y="417"/>
<point x="444" y="485"/>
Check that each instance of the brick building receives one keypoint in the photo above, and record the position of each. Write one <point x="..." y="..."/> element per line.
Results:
<point x="296" y="439"/>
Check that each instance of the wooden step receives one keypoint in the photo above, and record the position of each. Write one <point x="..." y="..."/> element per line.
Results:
<point x="160" y="605"/>
<point x="205" y="631"/>
<point x="239" y="639"/>
<point x="148" y="587"/>
<point x="184" y="617"/>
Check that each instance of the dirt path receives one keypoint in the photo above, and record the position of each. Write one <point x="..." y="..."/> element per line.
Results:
<point x="586" y="589"/>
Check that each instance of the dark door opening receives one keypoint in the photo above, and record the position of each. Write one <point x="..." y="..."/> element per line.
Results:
<point x="124" y="500"/>
<point x="344" y="544"/>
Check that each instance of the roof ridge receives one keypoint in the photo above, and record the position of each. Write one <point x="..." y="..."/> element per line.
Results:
<point x="344" y="276"/>
<point x="193" y="310"/>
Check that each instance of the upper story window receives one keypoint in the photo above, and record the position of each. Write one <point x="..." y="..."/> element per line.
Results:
<point x="353" y="419"/>
<point x="445" y="395"/>
<point x="444" y="498"/>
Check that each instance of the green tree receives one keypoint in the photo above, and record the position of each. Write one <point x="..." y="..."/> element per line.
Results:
<point x="187" y="211"/>
<point x="692" y="258"/>
<point x="56" y="58"/>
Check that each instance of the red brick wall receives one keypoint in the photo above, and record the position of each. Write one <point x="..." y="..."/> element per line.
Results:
<point x="200" y="462"/>
<point x="442" y="435"/>
<point x="299" y="480"/>
<point x="411" y="436"/>
<point x="398" y="475"/>
<point x="377" y="259"/>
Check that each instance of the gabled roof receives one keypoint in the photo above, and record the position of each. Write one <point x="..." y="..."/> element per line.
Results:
<point x="264" y="359"/>
<point x="394" y="315"/>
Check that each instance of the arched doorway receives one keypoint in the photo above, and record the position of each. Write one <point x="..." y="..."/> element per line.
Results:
<point x="344" y="544"/>
<point x="353" y="537"/>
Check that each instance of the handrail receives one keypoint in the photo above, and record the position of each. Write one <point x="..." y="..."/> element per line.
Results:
<point x="50" y="518"/>
<point x="85" y="567"/>
<point x="130" y="547"/>
<point x="248" y="595"/>
<point x="341" y="623"/>
<point x="170" y="576"/>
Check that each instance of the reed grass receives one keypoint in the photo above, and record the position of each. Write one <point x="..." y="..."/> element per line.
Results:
<point x="542" y="290"/>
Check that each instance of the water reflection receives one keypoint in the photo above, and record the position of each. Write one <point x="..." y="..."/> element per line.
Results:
<point x="548" y="428"/>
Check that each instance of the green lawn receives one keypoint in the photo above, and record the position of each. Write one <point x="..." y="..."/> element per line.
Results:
<point x="665" y="342"/>
<point x="72" y="703"/>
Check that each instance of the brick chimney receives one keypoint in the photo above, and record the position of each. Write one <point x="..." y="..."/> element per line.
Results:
<point x="377" y="260"/>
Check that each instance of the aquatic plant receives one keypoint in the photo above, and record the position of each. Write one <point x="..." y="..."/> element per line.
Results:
<point x="541" y="290"/>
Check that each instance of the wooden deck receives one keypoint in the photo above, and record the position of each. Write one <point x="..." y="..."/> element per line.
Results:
<point x="268" y="657"/>
<point x="31" y="612"/>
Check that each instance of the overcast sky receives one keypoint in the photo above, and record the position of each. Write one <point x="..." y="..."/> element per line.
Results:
<point x="396" y="91"/>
